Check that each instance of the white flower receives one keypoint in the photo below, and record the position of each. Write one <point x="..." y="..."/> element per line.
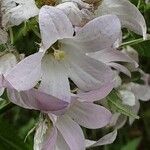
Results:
<point x="69" y="59"/>
<point x="18" y="11"/>
<point x="64" y="133"/>
<point x="128" y="14"/>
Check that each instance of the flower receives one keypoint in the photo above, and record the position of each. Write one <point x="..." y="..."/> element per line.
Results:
<point x="64" y="131"/>
<point x="128" y="14"/>
<point x="68" y="60"/>
<point x="18" y="11"/>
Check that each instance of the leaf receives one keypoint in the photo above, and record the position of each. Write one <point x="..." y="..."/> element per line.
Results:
<point x="9" y="138"/>
<point x="143" y="48"/>
<point x="116" y="105"/>
<point x="132" y="145"/>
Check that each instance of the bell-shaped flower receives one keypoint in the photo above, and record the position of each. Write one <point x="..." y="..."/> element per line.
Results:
<point x="128" y="14"/>
<point x="66" y="58"/>
<point x="65" y="133"/>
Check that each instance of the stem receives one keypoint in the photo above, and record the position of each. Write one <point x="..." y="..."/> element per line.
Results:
<point x="11" y="36"/>
<point x="36" y="33"/>
<point x="133" y="42"/>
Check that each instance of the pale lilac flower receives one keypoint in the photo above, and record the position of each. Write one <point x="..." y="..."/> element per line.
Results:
<point x="65" y="133"/>
<point x="69" y="61"/>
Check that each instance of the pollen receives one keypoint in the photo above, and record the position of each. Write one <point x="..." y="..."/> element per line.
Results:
<point x="59" y="55"/>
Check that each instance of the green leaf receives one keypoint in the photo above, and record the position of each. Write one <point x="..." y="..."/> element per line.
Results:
<point x="116" y="105"/>
<point x="132" y="145"/>
<point x="9" y="138"/>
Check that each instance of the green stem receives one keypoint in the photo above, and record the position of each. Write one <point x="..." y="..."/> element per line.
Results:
<point x="36" y="33"/>
<point x="133" y="42"/>
<point x="11" y="36"/>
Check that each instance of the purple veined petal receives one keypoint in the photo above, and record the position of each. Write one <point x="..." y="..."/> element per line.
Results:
<point x="45" y="137"/>
<point x="96" y="95"/>
<point x="120" y="68"/>
<point x="87" y="73"/>
<point x="89" y="115"/>
<point x="26" y="73"/>
<point x="55" y="79"/>
<point x="71" y="132"/>
<point x="107" y="139"/>
<point x="128" y="14"/>
<point x="98" y="34"/>
<point x="54" y="25"/>
<point x="34" y="99"/>
<point x="111" y="55"/>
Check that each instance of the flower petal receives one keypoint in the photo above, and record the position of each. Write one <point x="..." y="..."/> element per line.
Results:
<point x="34" y="99"/>
<point x="107" y="139"/>
<point x="135" y="110"/>
<point x="120" y="68"/>
<point x="142" y="92"/>
<point x="45" y="137"/>
<point x="96" y="95"/>
<point x="54" y="25"/>
<point x="7" y="61"/>
<point x="71" y="132"/>
<point x="98" y="34"/>
<point x="89" y="115"/>
<point x="26" y="73"/>
<point x="87" y="73"/>
<point x="111" y="55"/>
<point x="127" y="97"/>
<point x="72" y="12"/>
<point x="128" y="14"/>
<point x="61" y="143"/>
<point x="54" y="78"/>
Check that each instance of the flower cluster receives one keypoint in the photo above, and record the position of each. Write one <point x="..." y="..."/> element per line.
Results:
<point x="76" y="78"/>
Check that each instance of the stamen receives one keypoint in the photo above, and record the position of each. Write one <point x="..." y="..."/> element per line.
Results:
<point x="59" y="55"/>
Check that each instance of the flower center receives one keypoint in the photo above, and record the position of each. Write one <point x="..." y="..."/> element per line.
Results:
<point x="59" y="55"/>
